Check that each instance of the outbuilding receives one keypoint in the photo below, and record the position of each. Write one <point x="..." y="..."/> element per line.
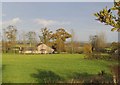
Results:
<point x="44" y="49"/>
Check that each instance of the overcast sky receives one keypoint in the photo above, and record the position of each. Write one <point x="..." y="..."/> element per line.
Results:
<point x="32" y="16"/>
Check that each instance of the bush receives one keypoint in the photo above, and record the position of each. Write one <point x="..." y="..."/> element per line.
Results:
<point x="87" y="48"/>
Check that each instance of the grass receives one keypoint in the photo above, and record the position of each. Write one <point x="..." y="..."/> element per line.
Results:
<point x="18" y="68"/>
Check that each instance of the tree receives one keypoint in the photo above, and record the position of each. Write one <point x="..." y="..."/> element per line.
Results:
<point x="72" y="40"/>
<point x="93" y="41"/>
<point x="31" y="37"/>
<point x="98" y="42"/>
<point x="101" y="40"/>
<point x="11" y="34"/>
<point x="88" y="50"/>
<point x="59" y="38"/>
<point x="24" y="38"/>
<point x="106" y="16"/>
<point x="114" y="47"/>
<point x="46" y="35"/>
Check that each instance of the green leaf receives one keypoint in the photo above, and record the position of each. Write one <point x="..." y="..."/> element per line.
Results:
<point x="96" y="15"/>
<point x="113" y="29"/>
<point x="113" y="8"/>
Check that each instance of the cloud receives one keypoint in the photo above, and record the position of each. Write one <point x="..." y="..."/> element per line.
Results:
<point x="13" y="21"/>
<point x="46" y="22"/>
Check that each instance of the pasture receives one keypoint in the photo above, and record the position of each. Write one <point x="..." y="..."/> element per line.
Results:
<point x="20" y="68"/>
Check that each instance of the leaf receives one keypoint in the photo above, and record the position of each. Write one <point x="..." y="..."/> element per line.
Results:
<point x="96" y="15"/>
<point x="113" y="8"/>
<point x="113" y="29"/>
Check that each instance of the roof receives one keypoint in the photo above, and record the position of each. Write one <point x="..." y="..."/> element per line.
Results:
<point x="39" y="44"/>
<point x="44" y="47"/>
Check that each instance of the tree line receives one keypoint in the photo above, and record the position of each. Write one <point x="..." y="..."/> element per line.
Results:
<point x="56" y="39"/>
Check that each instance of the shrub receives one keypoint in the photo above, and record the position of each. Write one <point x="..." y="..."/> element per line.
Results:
<point x="88" y="50"/>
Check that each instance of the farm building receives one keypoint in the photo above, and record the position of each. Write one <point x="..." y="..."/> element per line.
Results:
<point x="44" y="49"/>
<point x="40" y="49"/>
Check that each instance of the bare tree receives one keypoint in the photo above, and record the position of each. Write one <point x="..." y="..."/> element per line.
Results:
<point x="31" y="38"/>
<point x="98" y="41"/>
<point x="101" y="40"/>
<point x="93" y="41"/>
<point x="72" y="40"/>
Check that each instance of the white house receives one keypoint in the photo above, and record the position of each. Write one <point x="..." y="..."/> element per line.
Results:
<point x="44" y="49"/>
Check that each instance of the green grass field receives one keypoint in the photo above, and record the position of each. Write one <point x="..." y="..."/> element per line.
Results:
<point x="18" y="68"/>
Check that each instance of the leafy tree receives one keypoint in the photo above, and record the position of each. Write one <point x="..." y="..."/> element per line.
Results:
<point x="10" y="34"/>
<point x="59" y="38"/>
<point x="9" y="38"/>
<point x="46" y="35"/>
<point x="106" y="16"/>
<point x="55" y="40"/>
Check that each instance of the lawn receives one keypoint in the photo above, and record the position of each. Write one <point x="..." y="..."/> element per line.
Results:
<point x="20" y="68"/>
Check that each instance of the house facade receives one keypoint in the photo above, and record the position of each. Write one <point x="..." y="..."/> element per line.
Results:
<point x="44" y="49"/>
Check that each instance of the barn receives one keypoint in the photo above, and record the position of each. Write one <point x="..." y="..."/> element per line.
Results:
<point x="44" y="49"/>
